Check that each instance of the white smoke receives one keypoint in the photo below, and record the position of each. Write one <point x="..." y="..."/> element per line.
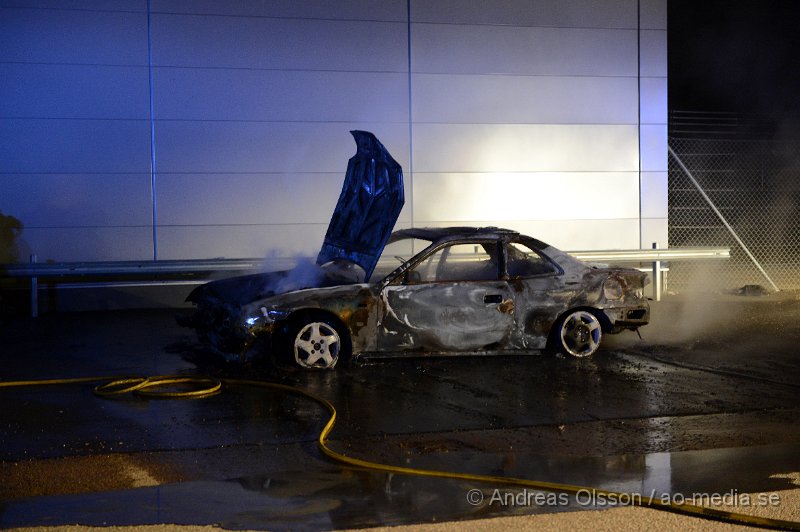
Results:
<point x="305" y="274"/>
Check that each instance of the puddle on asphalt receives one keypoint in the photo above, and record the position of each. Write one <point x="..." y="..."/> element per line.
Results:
<point x="333" y="497"/>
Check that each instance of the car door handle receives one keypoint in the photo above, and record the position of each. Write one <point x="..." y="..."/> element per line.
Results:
<point x="492" y="298"/>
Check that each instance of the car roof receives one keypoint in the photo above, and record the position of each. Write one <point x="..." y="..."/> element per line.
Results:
<point x="435" y="234"/>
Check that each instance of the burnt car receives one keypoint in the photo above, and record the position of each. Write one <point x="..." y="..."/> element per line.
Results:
<point x="456" y="290"/>
<point x="467" y="291"/>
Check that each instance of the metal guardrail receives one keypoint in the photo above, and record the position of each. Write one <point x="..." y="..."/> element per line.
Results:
<point x="63" y="271"/>
<point x="199" y="267"/>
<point x="655" y="256"/>
<point x="128" y="268"/>
<point x="649" y="255"/>
<point x="207" y="266"/>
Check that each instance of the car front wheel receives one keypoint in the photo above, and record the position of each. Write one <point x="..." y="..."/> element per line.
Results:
<point x="318" y="344"/>
<point x="579" y="333"/>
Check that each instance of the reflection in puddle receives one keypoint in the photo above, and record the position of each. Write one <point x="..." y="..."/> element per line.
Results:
<point x="333" y="497"/>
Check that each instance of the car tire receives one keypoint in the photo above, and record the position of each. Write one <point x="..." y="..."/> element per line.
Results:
<point x="578" y="333"/>
<point x="317" y="342"/>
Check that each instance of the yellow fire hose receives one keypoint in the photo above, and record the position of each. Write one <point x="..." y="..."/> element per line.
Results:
<point x="201" y="386"/>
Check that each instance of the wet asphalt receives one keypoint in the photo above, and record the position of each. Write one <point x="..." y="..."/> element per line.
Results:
<point x="706" y="402"/>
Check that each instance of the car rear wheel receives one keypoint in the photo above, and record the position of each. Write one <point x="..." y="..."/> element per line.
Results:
<point x="318" y="343"/>
<point x="579" y="333"/>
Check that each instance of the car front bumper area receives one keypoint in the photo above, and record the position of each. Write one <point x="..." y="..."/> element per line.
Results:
<point x="228" y="333"/>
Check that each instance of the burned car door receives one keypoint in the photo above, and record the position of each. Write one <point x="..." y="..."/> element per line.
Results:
<point x="540" y="293"/>
<point x="452" y="300"/>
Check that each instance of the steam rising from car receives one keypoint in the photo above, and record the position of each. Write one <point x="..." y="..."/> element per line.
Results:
<point x="304" y="272"/>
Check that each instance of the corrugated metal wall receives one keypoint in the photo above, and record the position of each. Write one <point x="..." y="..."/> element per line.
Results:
<point x="536" y="115"/>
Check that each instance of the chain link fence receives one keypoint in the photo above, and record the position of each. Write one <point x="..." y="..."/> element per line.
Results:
<point x="755" y="186"/>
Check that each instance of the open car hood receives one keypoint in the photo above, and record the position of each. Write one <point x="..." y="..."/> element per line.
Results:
<point x="371" y="199"/>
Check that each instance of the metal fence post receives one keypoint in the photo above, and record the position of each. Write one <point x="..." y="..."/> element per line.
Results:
<point x="656" y="276"/>
<point x="34" y="291"/>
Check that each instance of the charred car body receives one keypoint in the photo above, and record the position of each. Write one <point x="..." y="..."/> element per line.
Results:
<point x="457" y="290"/>
<point x="469" y="291"/>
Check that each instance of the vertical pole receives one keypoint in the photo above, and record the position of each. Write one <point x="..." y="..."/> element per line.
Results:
<point x="639" y="107"/>
<point x="656" y="276"/>
<point x="153" y="189"/>
<point x="410" y="174"/>
<point x="34" y="291"/>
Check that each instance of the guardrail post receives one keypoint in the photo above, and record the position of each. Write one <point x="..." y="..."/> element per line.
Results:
<point x="34" y="291"/>
<point x="656" y="276"/>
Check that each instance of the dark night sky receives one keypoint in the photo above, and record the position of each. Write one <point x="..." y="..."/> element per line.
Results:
<point x="735" y="55"/>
